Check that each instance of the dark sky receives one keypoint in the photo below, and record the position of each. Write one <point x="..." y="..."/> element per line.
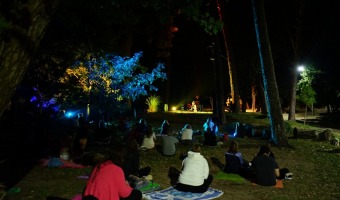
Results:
<point x="192" y="73"/>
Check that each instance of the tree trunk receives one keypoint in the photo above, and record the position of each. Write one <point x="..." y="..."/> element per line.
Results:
<point x="219" y="83"/>
<point x="253" y="98"/>
<point x="19" y="43"/>
<point x="268" y="76"/>
<point x="230" y="61"/>
<point x="295" y="42"/>
<point x="292" y="107"/>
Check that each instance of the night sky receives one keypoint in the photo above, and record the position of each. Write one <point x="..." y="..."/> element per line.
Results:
<point x="192" y="70"/>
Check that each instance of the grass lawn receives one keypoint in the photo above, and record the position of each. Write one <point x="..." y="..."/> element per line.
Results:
<point x="315" y="166"/>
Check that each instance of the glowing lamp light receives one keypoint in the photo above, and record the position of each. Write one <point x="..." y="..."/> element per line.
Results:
<point x="173" y="108"/>
<point x="301" y="68"/>
<point x="69" y="114"/>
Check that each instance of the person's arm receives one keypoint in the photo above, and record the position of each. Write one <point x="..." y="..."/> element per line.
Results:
<point x="277" y="172"/>
<point x="206" y="169"/>
<point x="124" y="189"/>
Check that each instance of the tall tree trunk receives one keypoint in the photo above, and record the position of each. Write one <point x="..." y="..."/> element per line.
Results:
<point x="219" y="83"/>
<point x="19" y="42"/>
<point x="253" y="98"/>
<point x="268" y="75"/>
<point x="295" y="42"/>
<point x="230" y="61"/>
<point x="164" y="46"/>
<point x="263" y="105"/>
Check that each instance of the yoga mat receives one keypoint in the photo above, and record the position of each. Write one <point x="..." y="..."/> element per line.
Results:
<point x="230" y="177"/>
<point x="279" y="184"/>
<point x="173" y="194"/>
<point x="151" y="187"/>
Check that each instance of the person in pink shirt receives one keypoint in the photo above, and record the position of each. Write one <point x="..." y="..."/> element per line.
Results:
<point x="107" y="180"/>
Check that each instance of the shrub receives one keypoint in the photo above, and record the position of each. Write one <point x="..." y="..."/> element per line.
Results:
<point x="153" y="102"/>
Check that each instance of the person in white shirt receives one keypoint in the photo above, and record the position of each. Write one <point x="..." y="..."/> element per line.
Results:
<point x="195" y="175"/>
<point x="186" y="134"/>
<point x="149" y="139"/>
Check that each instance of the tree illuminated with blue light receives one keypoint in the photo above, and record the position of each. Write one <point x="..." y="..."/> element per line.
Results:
<point x="112" y="77"/>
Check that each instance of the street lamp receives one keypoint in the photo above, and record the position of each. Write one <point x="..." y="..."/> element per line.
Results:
<point x="301" y="68"/>
<point x="296" y="72"/>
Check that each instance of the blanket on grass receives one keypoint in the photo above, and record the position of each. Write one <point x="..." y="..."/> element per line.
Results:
<point x="279" y="184"/>
<point x="57" y="162"/>
<point x="172" y="193"/>
<point x="230" y="177"/>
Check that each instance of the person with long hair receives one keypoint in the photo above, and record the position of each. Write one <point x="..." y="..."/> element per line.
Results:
<point x="149" y="139"/>
<point x="107" y="180"/>
<point x="234" y="163"/>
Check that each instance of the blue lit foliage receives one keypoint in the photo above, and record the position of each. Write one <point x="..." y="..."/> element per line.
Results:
<point x="39" y="100"/>
<point x="114" y="76"/>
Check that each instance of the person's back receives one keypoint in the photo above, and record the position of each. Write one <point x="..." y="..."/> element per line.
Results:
<point x="169" y="145"/>
<point x="233" y="164"/>
<point x="209" y="138"/>
<point x="195" y="175"/>
<point x="195" y="169"/>
<point x="107" y="180"/>
<point x="149" y="139"/>
<point x="266" y="168"/>
<point x="165" y="127"/>
<point x="107" y="175"/>
<point x="186" y="133"/>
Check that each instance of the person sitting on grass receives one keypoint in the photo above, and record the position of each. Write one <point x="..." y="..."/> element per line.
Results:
<point x="234" y="161"/>
<point x="107" y="180"/>
<point x="186" y="134"/>
<point x="132" y="170"/>
<point x="212" y="125"/>
<point x="195" y="175"/>
<point x="149" y="139"/>
<point x="266" y="168"/>
<point x="168" y="144"/>
<point x="165" y="127"/>
<point x="209" y="138"/>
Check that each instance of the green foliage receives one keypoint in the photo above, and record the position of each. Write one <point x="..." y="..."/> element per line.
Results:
<point x="305" y="87"/>
<point x="153" y="102"/>
<point x="307" y="95"/>
<point x="194" y="11"/>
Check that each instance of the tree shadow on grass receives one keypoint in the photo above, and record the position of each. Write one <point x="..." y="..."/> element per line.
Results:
<point x="217" y="162"/>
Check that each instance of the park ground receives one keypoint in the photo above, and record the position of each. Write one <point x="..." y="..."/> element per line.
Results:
<point x="314" y="164"/>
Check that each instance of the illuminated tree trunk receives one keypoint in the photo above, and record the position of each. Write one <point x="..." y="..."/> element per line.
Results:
<point x="253" y="98"/>
<point x="278" y="135"/>
<point x="231" y="64"/>
<point x="19" y="42"/>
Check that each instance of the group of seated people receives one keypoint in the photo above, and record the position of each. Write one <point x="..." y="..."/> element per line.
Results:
<point x="263" y="169"/>
<point x="167" y="138"/>
<point x="117" y="176"/>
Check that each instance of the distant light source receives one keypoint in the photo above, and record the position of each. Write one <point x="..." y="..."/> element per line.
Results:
<point x="69" y="114"/>
<point x="301" y="68"/>
<point x="173" y="108"/>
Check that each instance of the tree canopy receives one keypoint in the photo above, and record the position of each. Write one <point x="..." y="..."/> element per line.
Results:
<point x="109" y="79"/>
